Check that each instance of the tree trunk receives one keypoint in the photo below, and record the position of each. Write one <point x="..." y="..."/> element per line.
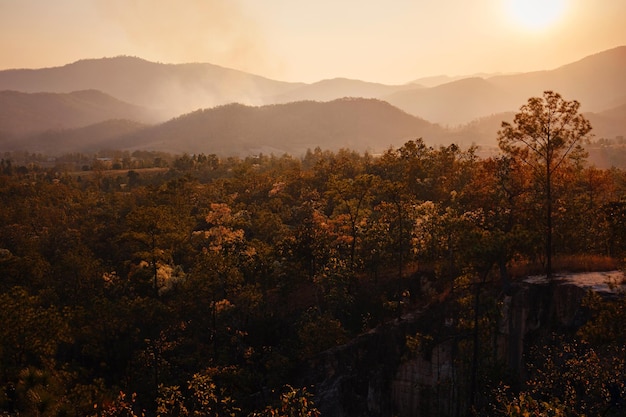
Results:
<point x="475" y="352"/>
<point x="548" y="220"/>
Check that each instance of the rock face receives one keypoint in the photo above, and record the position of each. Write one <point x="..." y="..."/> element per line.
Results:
<point x="375" y="374"/>
<point x="426" y="386"/>
<point x="356" y="379"/>
<point x="536" y="308"/>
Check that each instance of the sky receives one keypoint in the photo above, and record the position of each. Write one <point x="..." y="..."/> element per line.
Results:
<point x="386" y="41"/>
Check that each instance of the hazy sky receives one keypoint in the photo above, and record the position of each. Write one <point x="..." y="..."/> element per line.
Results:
<point x="389" y="41"/>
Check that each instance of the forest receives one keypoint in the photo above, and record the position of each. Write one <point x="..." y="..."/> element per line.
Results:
<point x="206" y="286"/>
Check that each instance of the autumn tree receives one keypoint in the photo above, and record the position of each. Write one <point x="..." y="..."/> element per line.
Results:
<point x="202" y="397"/>
<point x="590" y="191"/>
<point x="293" y="402"/>
<point x="546" y="134"/>
<point x="572" y="376"/>
<point x="401" y="172"/>
<point x="497" y="198"/>
<point x="351" y="196"/>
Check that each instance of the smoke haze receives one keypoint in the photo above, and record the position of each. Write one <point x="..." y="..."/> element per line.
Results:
<point x="174" y="31"/>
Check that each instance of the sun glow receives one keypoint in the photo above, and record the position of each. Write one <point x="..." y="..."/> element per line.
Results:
<point x="536" y="14"/>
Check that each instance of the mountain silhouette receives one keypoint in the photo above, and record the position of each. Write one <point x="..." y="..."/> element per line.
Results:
<point x="328" y="90"/>
<point x="597" y="81"/>
<point x="168" y="89"/>
<point x="452" y="103"/>
<point x="193" y="105"/>
<point x="610" y="123"/>
<point x="27" y="113"/>
<point x="238" y="130"/>
<point x="87" y="139"/>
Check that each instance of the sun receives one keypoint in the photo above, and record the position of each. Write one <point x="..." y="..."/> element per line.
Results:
<point x="536" y="14"/>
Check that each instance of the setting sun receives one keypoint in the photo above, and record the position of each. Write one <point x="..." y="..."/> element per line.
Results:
<point x="536" y="14"/>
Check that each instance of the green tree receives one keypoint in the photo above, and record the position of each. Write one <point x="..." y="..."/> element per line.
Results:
<point x="156" y="232"/>
<point x="496" y="197"/>
<point x="31" y="332"/>
<point x="352" y="197"/>
<point x="546" y="134"/>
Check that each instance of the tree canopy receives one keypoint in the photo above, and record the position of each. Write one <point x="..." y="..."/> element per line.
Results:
<point x="206" y="285"/>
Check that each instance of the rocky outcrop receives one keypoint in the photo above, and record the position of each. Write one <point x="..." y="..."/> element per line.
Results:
<point x="356" y="379"/>
<point x="535" y="309"/>
<point x="376" y="375"/>
<point x="426" y="386"/>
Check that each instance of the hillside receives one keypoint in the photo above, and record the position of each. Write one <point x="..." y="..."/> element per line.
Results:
<point x="327" y="90"/>
<point x="598" y="82"/>
<point x="610" y="123"/>
<point x="169" y="89"/>
<point x="24" y="113"/>
<point x="482" y="132"/>
<point x="92" y="138"/>
<point x="452" y="103"/>
<point x="235" y="129"/>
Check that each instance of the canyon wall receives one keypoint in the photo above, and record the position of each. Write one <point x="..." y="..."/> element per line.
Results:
<point x="377" y="375"/>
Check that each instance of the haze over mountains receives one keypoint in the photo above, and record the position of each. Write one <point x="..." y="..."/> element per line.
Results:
<point x="50" y="108"/>
<point x="235" y="129"/>
<point x="28" y="113"/>
<point x="168" y="90"/>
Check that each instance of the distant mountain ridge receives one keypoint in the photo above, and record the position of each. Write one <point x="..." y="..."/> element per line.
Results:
<point x="235" y="129"/>
<point x="435" y="80"/>
<point x="168" y="89"/>
<point x="239" y="130"/>
<point x="328" y="90"/>
<point x="453" y="103"/>
<point x="28" y="113"/>
<point x="87" y="139"/>
<point x="193" y="106"/>
<point x="598" y="82"/>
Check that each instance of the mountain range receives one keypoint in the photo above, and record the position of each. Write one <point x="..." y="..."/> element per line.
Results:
<point x="190" y="107"/>
<point x="27" y="113"/>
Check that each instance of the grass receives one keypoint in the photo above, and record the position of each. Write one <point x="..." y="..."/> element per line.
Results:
<point x="566" y="263"/>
